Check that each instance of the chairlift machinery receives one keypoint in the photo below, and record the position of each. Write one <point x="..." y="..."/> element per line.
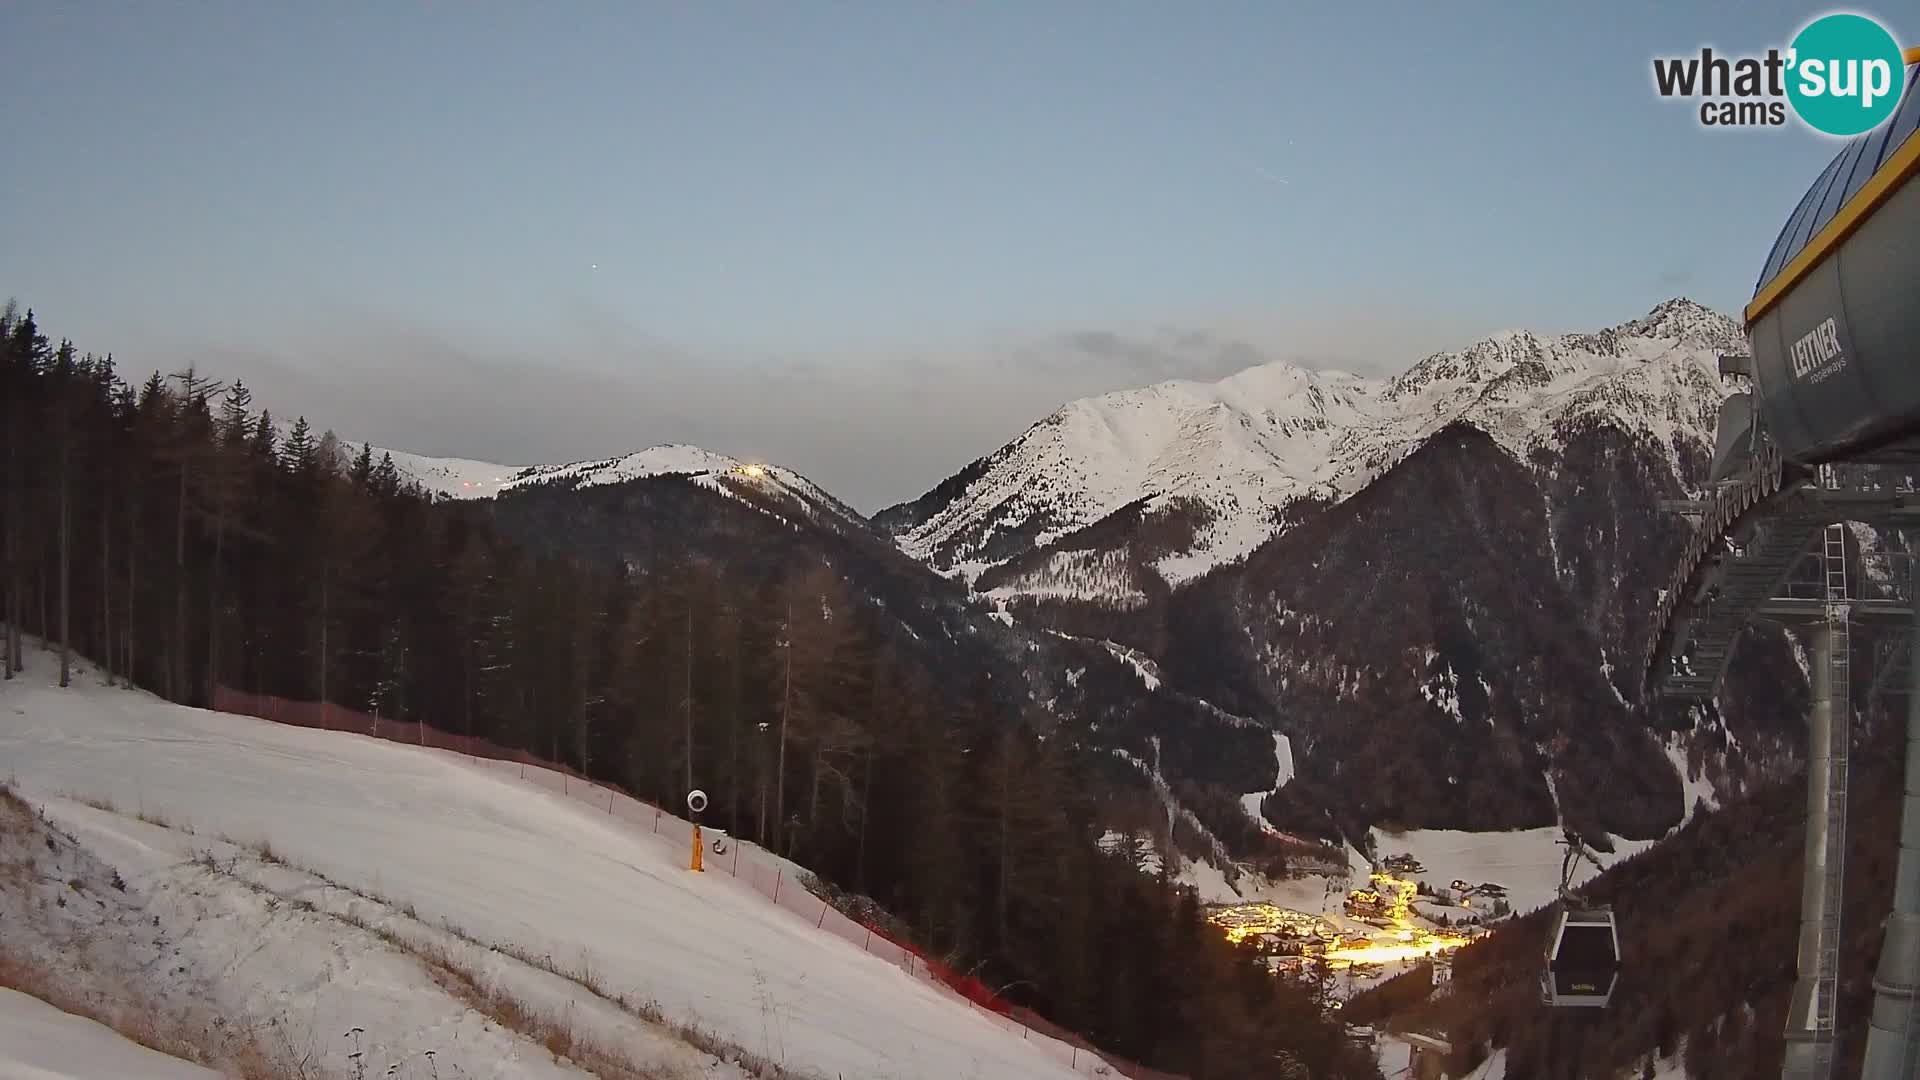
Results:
<point x="1828" y="432"/>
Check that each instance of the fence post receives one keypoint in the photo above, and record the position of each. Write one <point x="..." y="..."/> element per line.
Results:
<point x="736" y="858"/>
<point x="822" y="920"/>
<point x="656" y="819"/>
<point x="523" y="770"/>
<point x="867" y="945"/>
<point x="776" y="883"/>
<point x="609" y="802"/>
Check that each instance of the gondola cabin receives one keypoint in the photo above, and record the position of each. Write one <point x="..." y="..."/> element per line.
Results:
<point x="1583" y="960"/>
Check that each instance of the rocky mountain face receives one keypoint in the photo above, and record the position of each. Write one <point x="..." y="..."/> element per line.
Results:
<point x="1454" y="571"/>
<point x="1448" y="647"/>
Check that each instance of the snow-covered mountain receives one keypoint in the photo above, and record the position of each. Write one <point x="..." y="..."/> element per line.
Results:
<point x="1226" y="458"/>
<point x="762" y="484"/>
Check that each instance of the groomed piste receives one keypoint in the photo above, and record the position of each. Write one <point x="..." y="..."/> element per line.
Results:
<point x="424" y="845"/>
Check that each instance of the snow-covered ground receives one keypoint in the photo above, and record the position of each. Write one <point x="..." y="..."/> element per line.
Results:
<point x="1395" y="1058"/>
<point x="446" y="855"/>
<point x="1526" y="862"/>
<point x="1142" y="665"/>
<point x="40" y="1042"/>
<point x="1694" y="788"/>
<point x="1283" y="765"/>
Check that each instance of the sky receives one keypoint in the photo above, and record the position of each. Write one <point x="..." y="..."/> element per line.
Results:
<point x="871" y="241"/>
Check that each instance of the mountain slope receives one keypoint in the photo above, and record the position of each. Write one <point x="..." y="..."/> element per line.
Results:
<point x="1444" y="647"/>
<point x="1418" y="642"/>
<point x="423" y="843"/>
<point x="1228" y="458"/>
<point x="679" y="517"/>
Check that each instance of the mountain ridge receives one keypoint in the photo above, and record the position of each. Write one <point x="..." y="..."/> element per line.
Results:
<point x="1249" y="445"/>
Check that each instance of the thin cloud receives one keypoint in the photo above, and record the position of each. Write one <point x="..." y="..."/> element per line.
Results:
<point x="1276" y="178"/>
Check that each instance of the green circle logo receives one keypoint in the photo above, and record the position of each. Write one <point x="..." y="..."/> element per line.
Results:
<point x="1845" y="74"/>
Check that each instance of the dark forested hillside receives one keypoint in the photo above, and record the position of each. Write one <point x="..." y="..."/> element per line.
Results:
<point x="166" y="532"/>
<point x="657" y="528"/>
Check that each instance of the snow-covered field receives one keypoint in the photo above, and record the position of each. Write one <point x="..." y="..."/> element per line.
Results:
<point x="1526" y="862"/>
<point x="40" y="1042"/>
<point x="384" y="852"/>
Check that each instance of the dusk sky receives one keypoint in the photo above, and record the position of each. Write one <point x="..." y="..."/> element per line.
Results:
<point x="871" y="241"/>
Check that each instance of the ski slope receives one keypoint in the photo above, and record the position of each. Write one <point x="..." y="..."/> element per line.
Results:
<point x="40" y="1042"/>
<point x="460" y="845"/>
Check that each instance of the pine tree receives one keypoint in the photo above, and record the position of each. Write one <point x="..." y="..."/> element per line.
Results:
<point x="115" y="482"/>
<point x="298" y="456"/>
<point x="385" y="478"/>
<point x="65" y="389"/>
<point x="225" y="482"/>
<point x="152" y="423"/>
<point x="186" y="451"/>
<point x="27" y="355"/>
<point x="264" y="436"/>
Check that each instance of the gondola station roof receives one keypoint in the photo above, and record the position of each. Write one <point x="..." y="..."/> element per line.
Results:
<point x="1835" y="316"/>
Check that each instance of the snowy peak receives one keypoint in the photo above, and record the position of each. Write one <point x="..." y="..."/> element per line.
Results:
<point x="1480" y="362"/>
<point x="750" y="481"/>
<point x="1687" y="322"/>
<point x="679" y="459"/>
<point x="1230" y="456"/>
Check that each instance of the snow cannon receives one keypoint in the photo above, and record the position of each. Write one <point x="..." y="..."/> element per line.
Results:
<point x="1834" y="326"/>
<point x="697" y="803"/>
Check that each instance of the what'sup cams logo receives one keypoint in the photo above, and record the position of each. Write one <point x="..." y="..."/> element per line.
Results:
<point x="1841" y="75"/>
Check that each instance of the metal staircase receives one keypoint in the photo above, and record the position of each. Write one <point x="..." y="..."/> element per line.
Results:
<point x="1748" y="575"/>
<point x="1811" y="1016"/>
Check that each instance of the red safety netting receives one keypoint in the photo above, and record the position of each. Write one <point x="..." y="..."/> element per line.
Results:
<point x="772" y="877"/>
